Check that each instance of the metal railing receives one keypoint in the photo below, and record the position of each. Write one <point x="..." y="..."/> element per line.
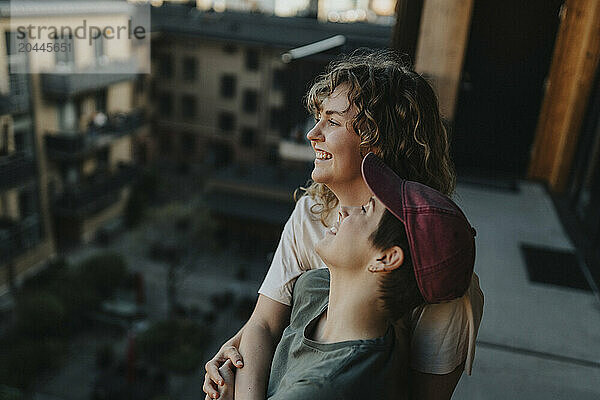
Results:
<point x="12" y="103"/>
<point x="17" y="236"/>
<point x="15" y="168"/>
<point x="64" y="84"/>
<point x="93" y="196"/>
<point x="70" y="144"/>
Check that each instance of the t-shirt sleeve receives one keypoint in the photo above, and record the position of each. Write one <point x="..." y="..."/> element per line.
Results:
<point x="443" y="335"/>
<point x="286" y="265"/>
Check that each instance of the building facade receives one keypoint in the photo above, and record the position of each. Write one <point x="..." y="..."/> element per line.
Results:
<point x="73" y="126"/>
<point x="220" y="90"/>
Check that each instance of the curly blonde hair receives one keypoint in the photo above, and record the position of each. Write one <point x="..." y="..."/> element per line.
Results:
<point x="398" y="119"/>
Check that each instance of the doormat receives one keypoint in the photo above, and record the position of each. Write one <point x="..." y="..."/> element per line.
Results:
<point x="554" y="267"/>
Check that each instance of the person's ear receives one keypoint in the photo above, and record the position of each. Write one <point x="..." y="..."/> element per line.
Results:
<point x="390" y="259"/>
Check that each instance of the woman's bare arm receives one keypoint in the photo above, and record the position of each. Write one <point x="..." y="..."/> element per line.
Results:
<point x="435" y="387"/>
<point x="258" y="343"/>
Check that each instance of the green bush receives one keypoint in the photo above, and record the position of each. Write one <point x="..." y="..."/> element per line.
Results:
<point x="204" y="227"/>
<point x="134" y="208"/>
<point x="78" y="298"/>
<point x="148" y="183"/>
<point x="40" y="314"/>
<point x="22" y="361"/>
<point x="55" y="271"/>
<point x="10" y="393"/>
<point x="176" y="345"/>
<point x="102" y="272"/>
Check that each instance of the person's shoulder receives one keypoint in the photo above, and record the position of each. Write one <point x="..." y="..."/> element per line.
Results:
<point x="310" y="290"/>
<point x="304" y="205"/>
<point x="313" y="280"/>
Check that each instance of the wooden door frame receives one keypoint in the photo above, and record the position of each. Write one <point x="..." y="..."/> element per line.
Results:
<point x="572" y="71"/>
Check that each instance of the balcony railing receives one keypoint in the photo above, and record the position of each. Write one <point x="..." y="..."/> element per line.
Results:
<point x="15" y="168"/>
<point x="16" y="101"/>
<point x="18" y="236"/>
<point x="76" y="144"/>
<point x="93" y="196"/>
<point x="13" y="104"/>
<point x="64" y="84"/>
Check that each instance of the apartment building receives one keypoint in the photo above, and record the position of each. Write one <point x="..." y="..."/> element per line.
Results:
<point x="75" y="118"/>
<point x="25" y="235"/>
<point x="221" y="92"/>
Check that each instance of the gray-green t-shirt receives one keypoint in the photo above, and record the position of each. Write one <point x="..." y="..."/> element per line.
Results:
<point x="353" y="369"/>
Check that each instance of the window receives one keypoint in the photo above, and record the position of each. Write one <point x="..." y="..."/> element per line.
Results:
<point x="99" y="50"/>
<point x="228" y="83"/>
<point x="278" y="79"/>
<point x="26" y="203"/>
<point x="12" y="43"/>
<point x="164" y="140"/>
<point x="188" y="143"/>
<point x="67" y="115"/>
<point x="66" y="57"/>
<point x="102" y="160"/>
<point x="189" y="69"/>
<point x="21" y="142"/>
<point x="277" y="124"/>
<point x="100" y="100"/>
<point x="139" y="84"/>
<point x="4" y="140"/>
<point x="248" y="136"/>
<point x="250" y="101"/>
<point x="230" y="49"/>
<point x="165" y="66"/>
<point x="165" y="104"/>
<point x="226" y="121"/>
<point x="252" y="60"/>
<point x="188" y="106"/>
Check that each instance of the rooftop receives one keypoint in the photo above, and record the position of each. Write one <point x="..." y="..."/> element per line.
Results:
<point x="62" y="7"/>
<point x="265" y="30"/>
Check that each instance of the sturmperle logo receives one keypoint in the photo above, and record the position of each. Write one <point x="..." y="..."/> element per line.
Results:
<point x="66" y="36"/>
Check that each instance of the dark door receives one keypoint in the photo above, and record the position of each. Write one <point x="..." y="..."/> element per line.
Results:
<point x="507" y="60"/>
<point x="583" y="193"/>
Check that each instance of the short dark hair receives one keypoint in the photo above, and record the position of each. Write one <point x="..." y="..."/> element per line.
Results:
<point x="398" y="289"/>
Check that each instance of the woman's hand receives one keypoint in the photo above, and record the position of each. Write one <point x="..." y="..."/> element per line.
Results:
<point x="227" y="390"/>
<point x="213" y="377"/>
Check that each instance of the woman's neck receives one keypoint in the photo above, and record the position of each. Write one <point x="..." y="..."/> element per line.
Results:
<point x="354" y="310"/>
<point x="354" y="193"/>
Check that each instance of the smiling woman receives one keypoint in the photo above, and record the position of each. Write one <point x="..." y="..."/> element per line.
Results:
<point x="336" y="145"/>
<point x="391" y="110"/>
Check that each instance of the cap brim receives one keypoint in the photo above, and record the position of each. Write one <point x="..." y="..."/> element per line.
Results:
<point x="385" y="184"/>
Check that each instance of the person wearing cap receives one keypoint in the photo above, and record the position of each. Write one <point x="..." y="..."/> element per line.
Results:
<point x="409" y="245"/>
<point x="368" y="101"/>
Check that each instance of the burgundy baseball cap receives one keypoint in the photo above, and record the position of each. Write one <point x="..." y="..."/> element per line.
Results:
<point x="441" y="240"/>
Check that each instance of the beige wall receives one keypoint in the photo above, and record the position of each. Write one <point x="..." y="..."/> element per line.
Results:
<point x="6" y="120"/>
<point x="120" y="97"/>
<point x="120" y="151"/>
<point x="9" y="203"/>
<point x="213" y="62"/>
<point x="115" y="49"/>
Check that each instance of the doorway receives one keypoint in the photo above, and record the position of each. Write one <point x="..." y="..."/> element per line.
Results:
<point x="502" y="85"/>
